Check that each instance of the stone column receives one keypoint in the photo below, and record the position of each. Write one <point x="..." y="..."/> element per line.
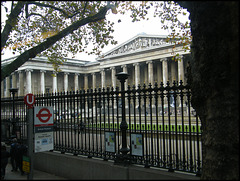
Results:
<point x="66" y="81"/>
<point x="145" y="72"/>
<point x="85" y="82"/>
<point x="165" y="71"/>
<point x="94" y="81"/>
<point x="42" y="81"/>
<point x="180" y="69"/>
<point x="159" y="74"/>
<point x="113" y="77"/>
<point x="137" y="81"/>
<point x="173" y="72"/>
<point x="7" y="92"/>
<point x="159" y="80"/>
<point x="28" y="81"/>
<point x="2" y="89"/>
<point x="150" y="72"/>
<point x="165" y="78"/>
<point x="14" y="80"/>
<point x="94" y="87"/>
<point x="181" y="77"/>
<point x="103" y="78"/>
<point x="21" y="84"/>
<point x="137" y="74"/>
<point x="124" y="67"/>
<point x="54" y="82"/>
<point x="86" y="88"/>
<point x="76" y="81"/>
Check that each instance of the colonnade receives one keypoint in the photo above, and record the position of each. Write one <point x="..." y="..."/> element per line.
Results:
<point x="151" y="71"/>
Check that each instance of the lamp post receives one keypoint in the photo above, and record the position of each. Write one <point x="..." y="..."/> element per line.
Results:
<point x="122" y="76"/>
<point x="13" y="91"/>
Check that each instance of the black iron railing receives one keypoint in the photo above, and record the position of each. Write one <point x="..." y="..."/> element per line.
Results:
<point x="163" y="116"/>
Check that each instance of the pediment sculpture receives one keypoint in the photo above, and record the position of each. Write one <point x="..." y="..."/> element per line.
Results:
<point x="138" y="43"/>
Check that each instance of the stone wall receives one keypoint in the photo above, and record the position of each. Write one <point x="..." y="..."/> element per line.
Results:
<point x="82" y="168"/>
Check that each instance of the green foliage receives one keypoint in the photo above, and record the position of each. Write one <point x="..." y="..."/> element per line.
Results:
<point x="38" y="21"/>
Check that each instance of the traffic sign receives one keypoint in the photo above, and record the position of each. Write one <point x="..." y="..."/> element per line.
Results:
<point x="29" y="99"/>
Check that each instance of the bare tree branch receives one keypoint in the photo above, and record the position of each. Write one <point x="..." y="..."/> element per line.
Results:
<point x="48" y="6"/>
<point x="36" y="14"/>
<point x="84" y="9"/>
<point x="26" y="10"/>
<point x="55" y="8"/>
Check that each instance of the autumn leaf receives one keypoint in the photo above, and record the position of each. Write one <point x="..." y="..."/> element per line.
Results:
<point x="114" y="10"/>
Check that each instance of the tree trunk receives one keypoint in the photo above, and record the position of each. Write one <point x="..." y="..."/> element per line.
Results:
<point x="215" y="84"/>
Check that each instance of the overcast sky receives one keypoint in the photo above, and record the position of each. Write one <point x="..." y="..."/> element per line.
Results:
<point x="124" y="31"/>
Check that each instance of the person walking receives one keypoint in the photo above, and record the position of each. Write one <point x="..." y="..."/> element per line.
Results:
<point x="20" y="151"/>
<point x="4" y="160"/>
<point x="13" y="150"/>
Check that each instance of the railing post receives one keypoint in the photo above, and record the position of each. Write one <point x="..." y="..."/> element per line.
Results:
<point x="124" y="157"/>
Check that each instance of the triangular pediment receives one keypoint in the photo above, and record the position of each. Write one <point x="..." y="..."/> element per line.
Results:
<point x="137" y="43"/>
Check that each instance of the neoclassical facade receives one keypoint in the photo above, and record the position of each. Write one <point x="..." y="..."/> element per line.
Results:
<point x="146" y="58"/>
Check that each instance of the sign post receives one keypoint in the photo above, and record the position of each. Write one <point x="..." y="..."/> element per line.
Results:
<point x="29" y="100"/>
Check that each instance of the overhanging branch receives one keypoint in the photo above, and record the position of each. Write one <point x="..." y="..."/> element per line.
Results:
<point x="10" y="22"/>
<point x="31" y="53"/>
<point x="65" y="14"/>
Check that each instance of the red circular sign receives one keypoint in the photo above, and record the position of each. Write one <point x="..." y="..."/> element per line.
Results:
<point x="44" y="113"/>
<point x="29" y="99"/>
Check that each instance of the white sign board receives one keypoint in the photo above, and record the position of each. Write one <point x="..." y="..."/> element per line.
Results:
<point x="137" y="144"/>
<point x="43" y="116"/>
<point x="43" y="128"/>
<point x="43" y="119"/>
<point x="110" y="140"/>
<point x="43" y="142"/>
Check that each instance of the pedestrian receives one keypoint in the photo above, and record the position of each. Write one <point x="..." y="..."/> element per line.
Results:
<point x="4" y="160"/>
<point x="13" y="149"/>
<point x="20" y="151"/>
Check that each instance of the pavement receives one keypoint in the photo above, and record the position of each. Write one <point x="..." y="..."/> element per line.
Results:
<point x="37" y="175"/>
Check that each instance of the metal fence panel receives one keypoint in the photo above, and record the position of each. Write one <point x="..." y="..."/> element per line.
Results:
<point x="170" y="128"/>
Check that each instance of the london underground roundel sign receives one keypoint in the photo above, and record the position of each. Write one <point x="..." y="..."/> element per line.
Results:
<point x="44" y="115"/>
<point x="29" y="99"/>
